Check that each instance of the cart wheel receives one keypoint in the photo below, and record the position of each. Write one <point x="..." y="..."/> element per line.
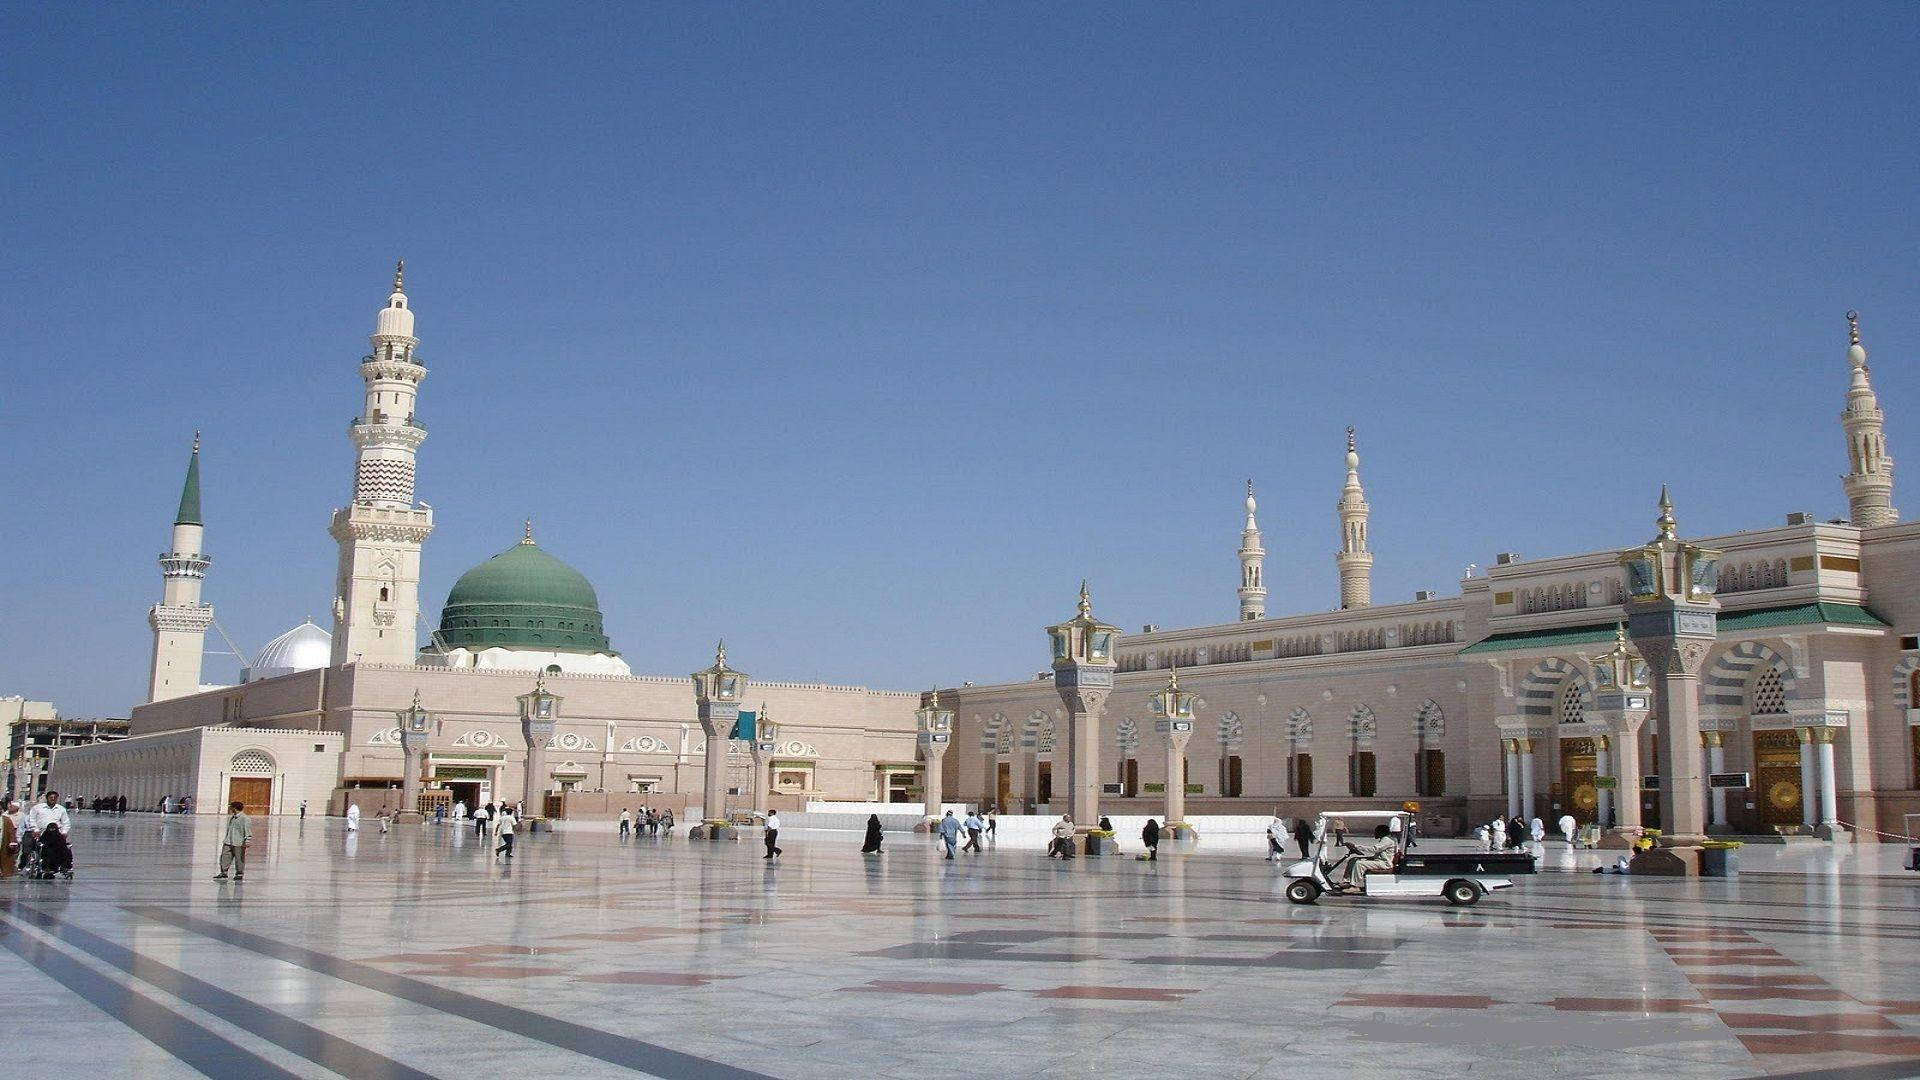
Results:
<point x="1303" y="891"/>
<point x="1461" y="893"/>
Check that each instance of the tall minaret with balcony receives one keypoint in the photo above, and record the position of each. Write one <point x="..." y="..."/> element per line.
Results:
<point x="1253" y="589"/>
<point x="376" y="604"/>
<point x="1869" y="479"/>
<point x="1355" y="561"/>
<point x="180" y="620"/>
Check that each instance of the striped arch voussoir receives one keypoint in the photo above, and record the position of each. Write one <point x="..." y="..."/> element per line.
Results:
<point x="1724" y="689"/>
<point x="1541" y="687"/>
<point x="1903" y="681"/>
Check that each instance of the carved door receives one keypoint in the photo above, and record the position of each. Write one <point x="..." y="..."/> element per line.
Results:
<point x="1776" y="777"/>
<point x="1578" y="769"/>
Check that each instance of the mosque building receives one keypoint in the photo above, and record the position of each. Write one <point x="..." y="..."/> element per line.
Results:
<point x="314" y="718"/>
<point x="1515" y="697"/>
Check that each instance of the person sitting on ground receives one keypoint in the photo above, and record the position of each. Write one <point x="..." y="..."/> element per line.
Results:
<point x="1377" y="855"/>
<point x="1062" y="846"/>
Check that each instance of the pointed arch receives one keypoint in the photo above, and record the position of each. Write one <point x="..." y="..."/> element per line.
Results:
<point x="1299" y="726"/>
<point x="1232" y="730"/>
<point x="1540" y="691"/>
<point x="1430" y="719"/>
<point x="1361" y="723"/>
<point x="1727" y="684"/>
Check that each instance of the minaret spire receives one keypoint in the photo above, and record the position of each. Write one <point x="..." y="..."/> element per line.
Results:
<point x="180" y="620"/>
<point x="376" y="598"/>
<point x="1253" y="588"/>
<point x="1869" y="479"/>
<point x="1355" y="561"/>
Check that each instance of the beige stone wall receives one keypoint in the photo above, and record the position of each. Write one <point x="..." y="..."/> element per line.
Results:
<point x="196" y="761"/>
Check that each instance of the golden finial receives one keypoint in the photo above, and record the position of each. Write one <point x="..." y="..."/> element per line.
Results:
<point x="720" y="654"/>
<point x="399" y="272"/>
<point x="935" y="702"/>
<point x="1665" y="521"/>
<point x="527" y="536"/>
<point x="196" y="442"/>
<point x="1086" y="602"/>
<point x="416" y="698"/>
<point x="1173" y="680"/>
<point x="1350" y="446"/>
<point x="1853" y="328"/>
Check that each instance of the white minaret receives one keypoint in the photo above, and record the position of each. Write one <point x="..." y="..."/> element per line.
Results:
<point x="376" y="603"/>
<point x="1355" y="561"/>
<point x="1253" y="590"/>
<point x="180" y="620"/>
<point x="1869" y="479"/>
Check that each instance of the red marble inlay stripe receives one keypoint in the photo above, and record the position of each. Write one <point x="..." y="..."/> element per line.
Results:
<point x="1836" y="1021"/>
<point x="1895" y="1008"/>
<point x="1721" y="978"/>
<point x="1628" y="1004"/>
<point x="1115" y="993"/>
<point x="1683" y="934"/>
<point x="637" y="933"/>
<point x="1708" y="950"/>
<point x="1420" y="1001"/>
<point x="1734" y="961"/>
<point x="652" y="978"/>
<point x="991" y="915"/>
<point x="1171" y="919"/>
<point x="1763" y="993"/>
<point x="1829" y="1043"/>
<point x="909" y="986"/>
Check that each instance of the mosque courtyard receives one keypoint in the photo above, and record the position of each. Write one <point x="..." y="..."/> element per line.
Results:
<point x="415" y="954"/>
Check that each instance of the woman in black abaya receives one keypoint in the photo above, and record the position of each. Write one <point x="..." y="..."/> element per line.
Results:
<point x="872" y="846"/>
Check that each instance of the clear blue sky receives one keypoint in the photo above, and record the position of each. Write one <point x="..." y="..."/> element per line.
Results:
<point x="860" y="333"/>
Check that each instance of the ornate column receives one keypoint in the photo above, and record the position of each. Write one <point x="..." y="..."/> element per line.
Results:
<point x="1809" y="781"/>
<point x="1672" y="617"/>
<point x="717" y="691"/>
<point x="1714" y="742"/>
<point x="1527" y="804"/>
<point x="413" y="744"/>
<point x="1603" y="766"/>
<point x="539" y="709"/>
<point x="1083" y="667"/>
<point x="1829" y="824"/>
<point x="1510" y="773"/>
<point x="1173" y="712"/>
<point x="935" y="735"/>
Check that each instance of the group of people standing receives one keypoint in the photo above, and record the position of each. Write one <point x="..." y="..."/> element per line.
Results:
<point x="647" y="823"/>
<point x="41" y="832"/>
<point x="1503" y="834"/>
<point x="974" y="827"/>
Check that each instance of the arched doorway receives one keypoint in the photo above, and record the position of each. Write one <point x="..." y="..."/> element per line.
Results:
<point x="250" y="781"/>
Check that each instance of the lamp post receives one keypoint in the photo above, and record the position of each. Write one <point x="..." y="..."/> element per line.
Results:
<point x="1173" y="712"/>
<point x="1621" y="697"/>
<point x="1673" y="619"/>
<point x="539" y="709"/>
<point x="413" y="742"/>
<point x="1083" y="666"/>
<point x="717" y="691"/>
<point x="764" y="733"/>
<point x="936" y="734"/>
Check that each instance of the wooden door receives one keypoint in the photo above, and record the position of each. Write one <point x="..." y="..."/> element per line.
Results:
<point x="1130" y="778"/>
<point x="1776" y="777"/>
<point x="1003" y="784"/>
<point x="1043" y="782"/>
<point x="253" y="792"/>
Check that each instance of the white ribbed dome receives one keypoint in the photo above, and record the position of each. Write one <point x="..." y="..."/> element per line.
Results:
<point x="302" y="648"/>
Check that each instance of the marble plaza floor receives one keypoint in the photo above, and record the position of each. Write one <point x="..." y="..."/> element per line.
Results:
<point x="413" y="954"/>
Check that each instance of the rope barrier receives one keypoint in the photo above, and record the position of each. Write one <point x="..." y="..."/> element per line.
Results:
<point x="1876" y="832"/>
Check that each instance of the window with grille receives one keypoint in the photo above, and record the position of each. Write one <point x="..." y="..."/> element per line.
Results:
<point x="1045" y="742"/>
<point x="1769" y="696"/>
<point x="251" y="763"/>
<point x="1360" y="773"/>
<point x="1572" y="709"/>
<point x="1430" y="767"/>
<point x="1300" y="775"/>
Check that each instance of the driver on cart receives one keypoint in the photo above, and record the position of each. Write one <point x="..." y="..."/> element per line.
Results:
<point x="1375" y="856"/>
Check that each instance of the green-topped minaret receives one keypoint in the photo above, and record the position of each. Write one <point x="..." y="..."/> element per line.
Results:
<point x="180" y="620"/>
<point x="189" y="512"/>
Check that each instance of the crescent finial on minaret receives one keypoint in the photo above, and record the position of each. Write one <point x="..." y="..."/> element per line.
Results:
<point x="1350" y="446"/>
<point x="527" y="536"/>
<point x="1853" y="328"/>
<point x="399" y="274"/>
<point x="196" y="442"/>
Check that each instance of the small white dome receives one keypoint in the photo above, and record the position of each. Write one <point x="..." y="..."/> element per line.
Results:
<point x="303" y="648"/>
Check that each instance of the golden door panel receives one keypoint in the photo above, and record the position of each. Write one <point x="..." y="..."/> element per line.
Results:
<point x="1776" y="777"/>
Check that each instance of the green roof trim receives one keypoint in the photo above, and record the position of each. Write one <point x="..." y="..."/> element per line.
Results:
<point x="189" y="512"/>
<point x="1540" y="639"/>
<point x="1730" y="622"/>
<point x="1801" y="615"/>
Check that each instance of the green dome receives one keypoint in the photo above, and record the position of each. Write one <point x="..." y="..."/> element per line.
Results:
<point x="523" y="598"/>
